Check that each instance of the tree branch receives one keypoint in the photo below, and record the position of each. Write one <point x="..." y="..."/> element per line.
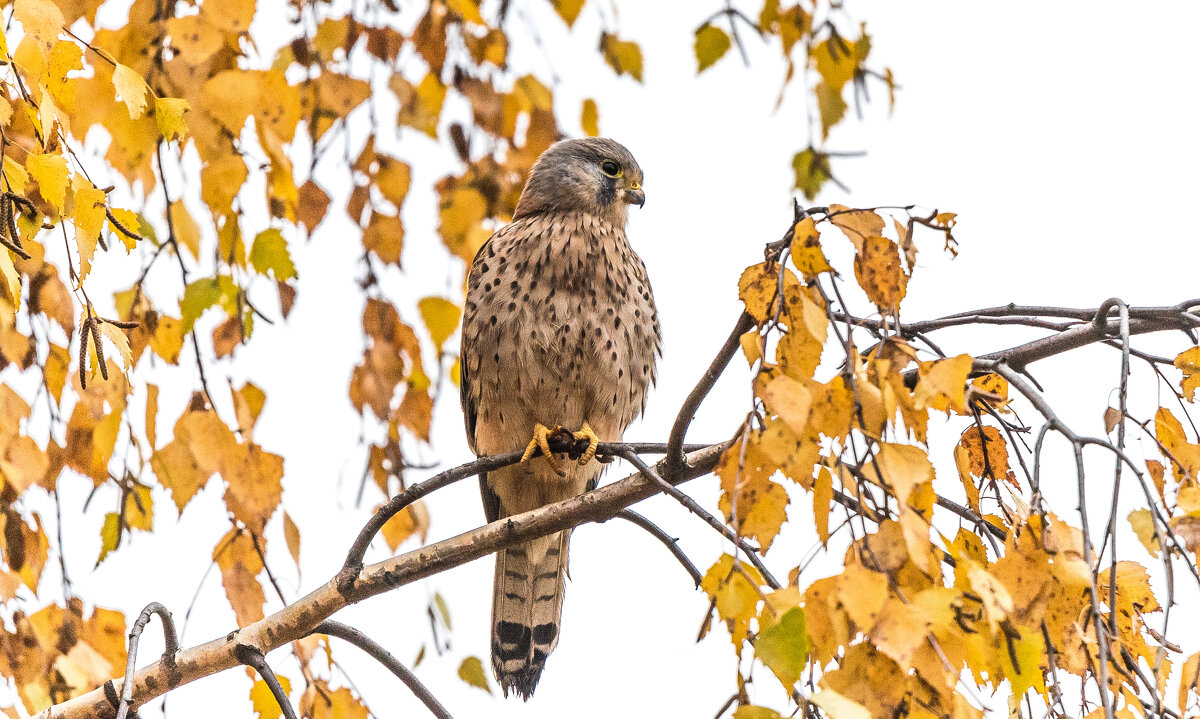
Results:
<point x="687" y="411"/>
<point x="384" y="657"/>
<point x="303" y="616"/>
<point x="170" y="639"/>
<point x="671" y="543"/>
<point x="253" y="657"/>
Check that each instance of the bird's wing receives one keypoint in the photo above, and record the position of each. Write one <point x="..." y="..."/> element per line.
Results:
<point x="467" y="394"/>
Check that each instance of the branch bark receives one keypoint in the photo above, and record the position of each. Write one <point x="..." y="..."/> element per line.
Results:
<point x="306" y="614"/>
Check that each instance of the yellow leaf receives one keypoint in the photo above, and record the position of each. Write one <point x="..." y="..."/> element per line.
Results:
<point x="942" y="383"/>
<point x="623" y="56"/>
<point x="231" y="15"/>
<point x="110" y="535"/>
<point x="1142" y="523"/>
<point x="737" y="598"/>
<point x="997" y="602"/>
<point x="471" y="672"/>
<point x="857" y="225"/>
<point x="152" y="415"/>
<point x="822" y="498"/>
<point x="590" y="118"/>
<point x="263" y="699"/>
<point x="169" y="114"/>
<point x="291" y="534"/>
<point x="413" y="520"/>
<point x="385" y="237"/>
<point x="120" y="340"/>
<point x="789" y="399"/>
<point x="255" y="485"/>
<point x="811" y="171"/>
<point x="568" y="10"/>
<point x="420" y="105"/>
<point x="132" y="89"/>
<point x="41" y="20"/>
<point x="1188" y="362"/>
<point x="466" y="9"/>
<point x="441" y="318"/>
<point x="131" y="221"/>
<point x="879" y="272"/>
<point x="240" y="565"/>
<point x="749" y="711"/>
<point x="806" y="249"/>
<point x="393" y="179"/>
<point x="12" y="280"/>
<point x="838" y="706"/>
<point x="50" y="171"/>
<point x="1189" y="680"/>
<point x="88" y="215"/>
<point x="711" y="44"/>
<point x="139" y="508"/>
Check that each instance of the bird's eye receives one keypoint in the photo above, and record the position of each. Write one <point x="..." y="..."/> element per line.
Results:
<point x="611" y="168"/>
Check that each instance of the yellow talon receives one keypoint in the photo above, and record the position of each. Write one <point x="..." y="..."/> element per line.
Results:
<point x="593" y="442"/>
<point x="541" y="440"/>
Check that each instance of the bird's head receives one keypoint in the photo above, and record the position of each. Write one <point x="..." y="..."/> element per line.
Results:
<point x="593" y="175"/>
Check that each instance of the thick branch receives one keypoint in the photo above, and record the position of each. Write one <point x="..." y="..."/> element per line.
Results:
<point x="303" y="616"/>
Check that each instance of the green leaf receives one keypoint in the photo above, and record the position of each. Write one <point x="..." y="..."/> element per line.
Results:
<point x="270" y="253"/>
<point x="110" y="535"/>
<point x="443" y="610"/>
<point x="711" y="45"/>
<point x="201" y="294"/>
<point x="812" y="172"/>
<point x="784" y="647"/>
<point x="471" y="672"/>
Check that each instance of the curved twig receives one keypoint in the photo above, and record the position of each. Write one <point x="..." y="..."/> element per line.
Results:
<point x="354" y="558"/>
<point x="671" y="543"/>
<point x="170" y="639"/>
<point x="384" y="657"/>
<point x="751" y="553"/>
<point x="253" y="657"/>
<point x="687" y="411"/>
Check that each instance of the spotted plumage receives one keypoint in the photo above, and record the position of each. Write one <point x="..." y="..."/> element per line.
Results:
<point x="560" y="329"/>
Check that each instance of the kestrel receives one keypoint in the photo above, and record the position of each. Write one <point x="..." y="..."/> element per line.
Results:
<point x="559" y="331"/>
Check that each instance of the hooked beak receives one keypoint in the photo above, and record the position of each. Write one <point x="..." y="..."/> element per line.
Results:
<point x="634" y="195"/>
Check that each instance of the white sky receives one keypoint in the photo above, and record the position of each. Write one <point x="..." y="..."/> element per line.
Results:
<point x="1064" y="136"/>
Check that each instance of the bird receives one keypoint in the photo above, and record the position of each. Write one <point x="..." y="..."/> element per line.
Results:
<point x="560" y="333"/>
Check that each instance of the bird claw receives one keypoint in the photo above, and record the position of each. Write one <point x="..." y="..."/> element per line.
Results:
<point x="593" y="441"/>
<point x="541" y="440"/>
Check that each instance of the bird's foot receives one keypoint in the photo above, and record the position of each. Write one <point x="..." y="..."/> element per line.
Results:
<point x="593" y="442"/>
<point x="541" y="440"/>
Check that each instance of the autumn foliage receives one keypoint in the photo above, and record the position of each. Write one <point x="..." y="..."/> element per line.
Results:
<point x="181" y="150"/>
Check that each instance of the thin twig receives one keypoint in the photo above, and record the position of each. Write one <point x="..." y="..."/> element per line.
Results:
<point x="671" y="543"/>
<point x="669" y="489"/>
<point x="170" y="639"/>
<point x="688" y="410"/>
<point x="384" y="657"/>
<point x="253" y="657"/>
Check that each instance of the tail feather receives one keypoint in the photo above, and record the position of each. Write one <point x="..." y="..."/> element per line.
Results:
<point x="526" y="609"/>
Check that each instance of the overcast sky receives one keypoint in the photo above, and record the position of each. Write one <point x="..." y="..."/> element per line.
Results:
<point x="1062" y="133"/>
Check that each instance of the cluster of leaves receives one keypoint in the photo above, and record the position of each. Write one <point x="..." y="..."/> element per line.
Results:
<point x="816" y="38"/>
<point x="185" y="85"/>
<point x="923" y="619"/>
<point x="171" y="88"/>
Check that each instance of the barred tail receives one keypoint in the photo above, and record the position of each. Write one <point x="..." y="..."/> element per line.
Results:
<point x="526" y="608"/>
